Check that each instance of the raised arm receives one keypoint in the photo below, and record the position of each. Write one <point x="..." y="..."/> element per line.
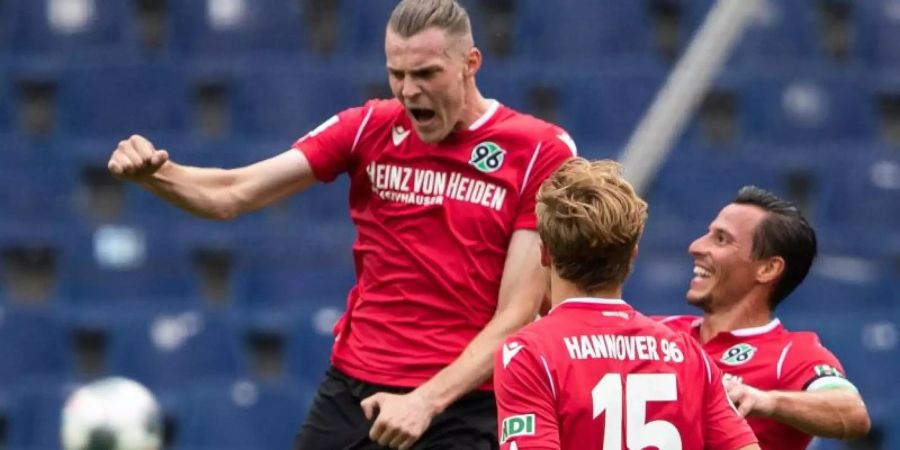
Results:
<point x="211" y="193"/>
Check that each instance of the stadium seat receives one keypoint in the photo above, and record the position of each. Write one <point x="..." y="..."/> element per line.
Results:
<point x="121" y="267"/>
<point x="290" y="100"/>
<point x="693" y="186"/>
<point x="844" y="283"/>
<point x="865" y="192"/>
<point x="659" y="282"/>
<point x="603" y="107"/>
<point x="808" y="106"/>
<point x="122" y="100"/>
<point x="241" y="415"/>
<point x="281" y="285"/>
<point x="7" y="106"/>
<point x="44" y="337"/>
<point x="363" y="24"/>
<point x="177" y="349"/>
<point x="880" y="23"/>
<point x="43" y="31"/>
<point x="34" y="415"/>
<point x="783" y="31"/>
<point x="310" y="341"/>
<point x="571" y="30"/>
<point x="213" y="30"/>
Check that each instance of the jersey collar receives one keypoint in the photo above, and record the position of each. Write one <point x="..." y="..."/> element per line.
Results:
<point x="493" y="106"/>
<point x="593" y="303"/>
<point x="774" y="325"/>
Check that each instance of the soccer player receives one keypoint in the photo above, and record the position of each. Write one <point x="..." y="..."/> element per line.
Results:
<point x="443" y="187"/>
<point x="594" y="374"/>
<point x="754" y="254"/>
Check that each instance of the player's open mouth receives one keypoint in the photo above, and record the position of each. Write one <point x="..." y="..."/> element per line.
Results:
<point x="702" y="272"/>
<point x="422" y="115"/>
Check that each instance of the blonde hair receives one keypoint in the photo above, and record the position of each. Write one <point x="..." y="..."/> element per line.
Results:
<point x="411" y="17"/>
<point x="590" y="220"/>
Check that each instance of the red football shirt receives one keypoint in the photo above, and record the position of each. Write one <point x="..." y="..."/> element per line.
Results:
<point x="433" y="224"/>
<point x="770" y="358"/>
<point x="595" y="374"/>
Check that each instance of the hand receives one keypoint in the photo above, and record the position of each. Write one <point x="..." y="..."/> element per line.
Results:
<point x="749" y="400"/>
<point x="401" y="418"/>
<point x="135" y="158"/>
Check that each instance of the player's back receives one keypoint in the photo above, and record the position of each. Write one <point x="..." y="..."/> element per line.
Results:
<point x="619" y="380"/>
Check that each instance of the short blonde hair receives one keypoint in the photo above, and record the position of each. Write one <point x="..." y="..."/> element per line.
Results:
<point x="411" y="17"/>
<point x="590" y="220"/>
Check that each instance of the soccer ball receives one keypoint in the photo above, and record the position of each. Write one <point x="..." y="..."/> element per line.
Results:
<point x="111" y="414"/>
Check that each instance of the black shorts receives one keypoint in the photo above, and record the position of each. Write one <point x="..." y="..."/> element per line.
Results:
<point x="336" y="421"/>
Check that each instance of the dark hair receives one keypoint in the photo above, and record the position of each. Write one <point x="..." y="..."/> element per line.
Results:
<point x="785" y="233"/>
<point x="411" y="17"/>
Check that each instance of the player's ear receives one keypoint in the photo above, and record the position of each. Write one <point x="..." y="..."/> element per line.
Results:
<point x="545" y="256"/>
<point x="770" y="270"/>
<point x="473" y="61"/>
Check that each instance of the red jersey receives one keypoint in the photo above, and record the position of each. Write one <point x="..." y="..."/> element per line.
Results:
<point x="433" y="222"/>
<point x="595" y="374"/>
<point x="770" y="358"/>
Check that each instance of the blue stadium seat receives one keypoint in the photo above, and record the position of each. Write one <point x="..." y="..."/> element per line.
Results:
<point x="309" y="342"/>
<point x="880" y="24"/>
<point x="693" y="186"/>
<point x="866" y="191"/>
<point x="283" y="285"/>
<point x="7" y="105"/>
<point x="844" y="283"/>
<point x="48" y="30"/>
<point x="659" y="282"/>
<point x="571" y="30"/>
<point x="242" y="415"/>
<point x="44" y="337"/>
<point x="808" y="106"/>
<point x="96" y="101"/>
<point x="121" y="267"/>
<point x="784" y="31"/>
<point x="34" y="416"/>
<point x="604" y="107"/>
<point x="290" y="100"/>
<point x="363" y="25"/>
<point x="227" y="29"/>
<point x="173" y="350"/>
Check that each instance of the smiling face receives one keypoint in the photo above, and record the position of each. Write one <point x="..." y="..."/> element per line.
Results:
<point x="724" y="268"/>
<point x="430" y="73"/>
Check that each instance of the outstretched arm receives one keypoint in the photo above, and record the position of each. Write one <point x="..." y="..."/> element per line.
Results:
<point x="402" y="419"/>
<point x="837" y="413"/>
<point x="211" y="193"/>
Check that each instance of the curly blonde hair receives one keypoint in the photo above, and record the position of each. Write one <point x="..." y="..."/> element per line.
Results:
<point x="590" y="220"/>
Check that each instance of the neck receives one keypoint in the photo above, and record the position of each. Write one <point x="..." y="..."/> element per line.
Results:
<point x="747" y="313"/>
<point x="475" y="106"/>
<point x="562" y="290"/>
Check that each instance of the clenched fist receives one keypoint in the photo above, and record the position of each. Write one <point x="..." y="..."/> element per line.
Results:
<point x="136" y="158"/>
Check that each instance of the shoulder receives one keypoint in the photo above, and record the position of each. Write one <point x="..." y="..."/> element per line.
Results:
<point x="539" y="131"/>
<point x="682" y="323"/>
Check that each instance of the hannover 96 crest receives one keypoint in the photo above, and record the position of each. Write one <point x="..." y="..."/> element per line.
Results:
<point x="487" y="157"/>
<point x="738" y="354"/>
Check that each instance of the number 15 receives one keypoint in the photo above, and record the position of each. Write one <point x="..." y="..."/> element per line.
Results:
<point x="640" y="388"/>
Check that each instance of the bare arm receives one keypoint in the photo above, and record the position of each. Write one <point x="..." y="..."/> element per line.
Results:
<point x="837" y="413"/>
<point x="750" y="447"/>
<point x="521" y="290"/>
<point x="208" y="192"/>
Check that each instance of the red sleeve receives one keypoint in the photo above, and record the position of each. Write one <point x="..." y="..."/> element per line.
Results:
<point x="329" y="147"/>
<point x="809" y="365"/>
<point x="526" y="411"/>
<point x="723" y="427"/>
<point x="544" y="162"/>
